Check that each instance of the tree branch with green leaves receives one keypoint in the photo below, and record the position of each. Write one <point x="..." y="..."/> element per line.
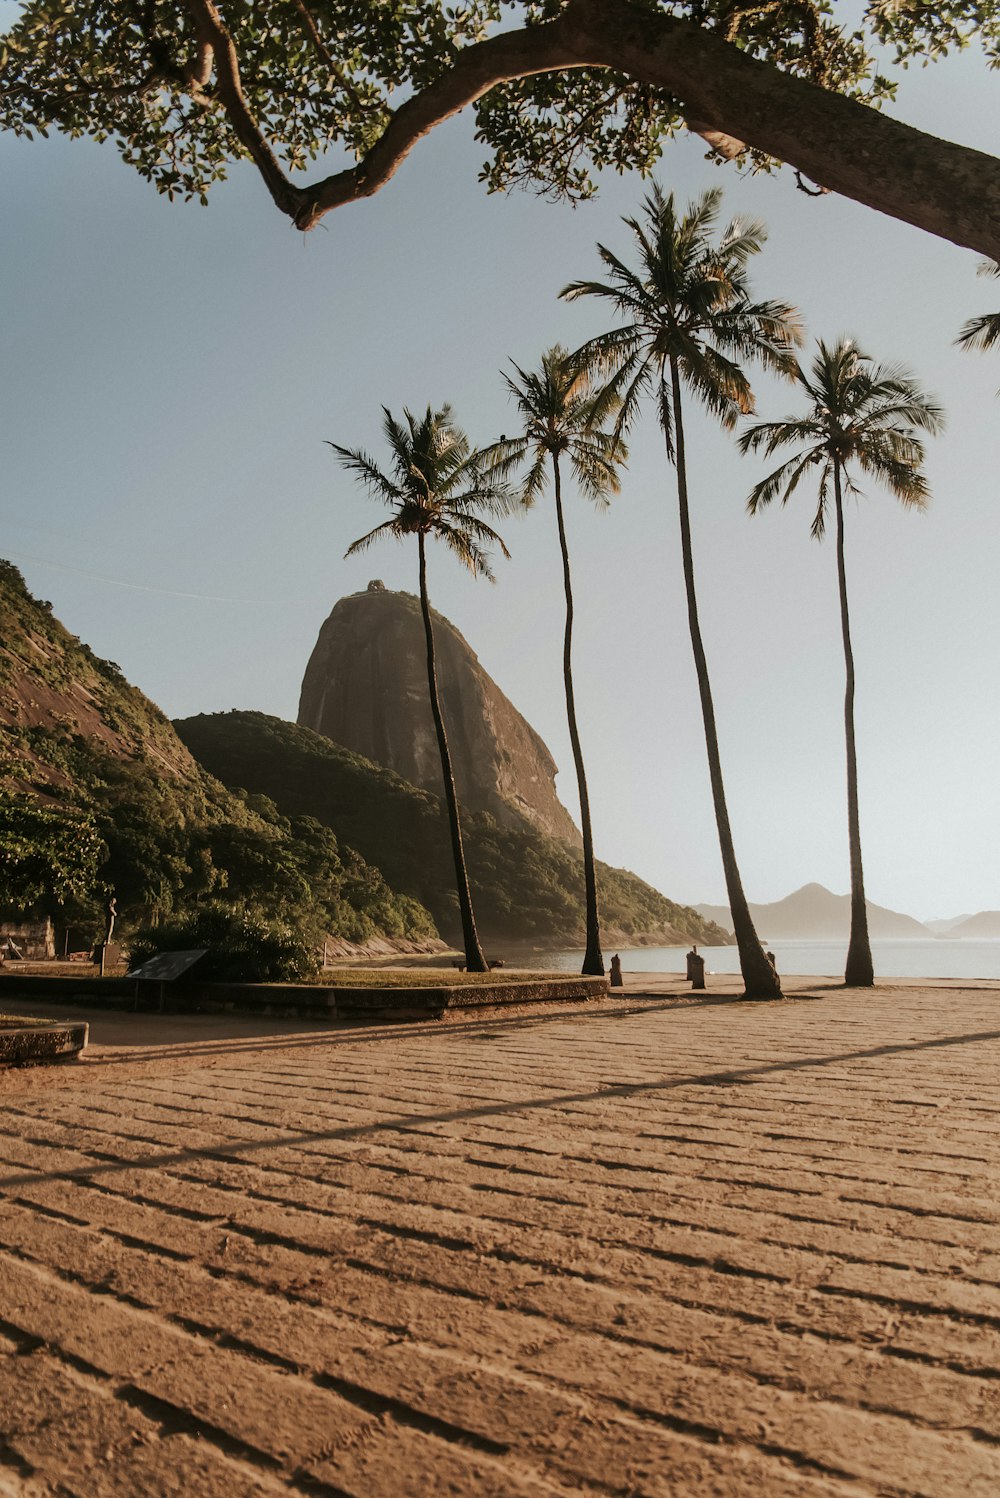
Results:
<point x="186" y="88"/>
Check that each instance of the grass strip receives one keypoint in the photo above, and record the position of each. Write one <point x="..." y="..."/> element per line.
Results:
<point x="446" y="977"/>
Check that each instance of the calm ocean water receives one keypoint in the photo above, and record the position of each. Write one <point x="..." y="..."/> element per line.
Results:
<point x="929" y="958"/>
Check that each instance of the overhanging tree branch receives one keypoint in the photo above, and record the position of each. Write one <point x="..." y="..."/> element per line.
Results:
<point x="213" y="32"/>
<point x="476" y="69"/>
<point x="725" y="95"/>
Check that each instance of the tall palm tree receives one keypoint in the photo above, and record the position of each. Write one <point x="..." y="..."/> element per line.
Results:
<point x="861" y="415"/>
<point x="562" y="414"/>
<point x="688" y="317"/>
<point x="436" y="486"/>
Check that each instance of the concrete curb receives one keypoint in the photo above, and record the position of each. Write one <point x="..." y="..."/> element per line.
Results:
<point x="306" y="1001"/>
<point x="428" y="1003"/>
<point x="22" y="1043"/>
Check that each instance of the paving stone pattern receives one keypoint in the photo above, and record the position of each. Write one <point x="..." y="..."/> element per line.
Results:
<point x="685" y="1249"/>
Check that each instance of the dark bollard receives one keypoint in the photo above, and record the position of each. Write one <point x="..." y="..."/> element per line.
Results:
<point x="696" y="968"/>
<point x="616" y="972"/>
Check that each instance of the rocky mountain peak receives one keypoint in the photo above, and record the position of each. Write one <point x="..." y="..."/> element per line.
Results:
<point x="365" y="687"/>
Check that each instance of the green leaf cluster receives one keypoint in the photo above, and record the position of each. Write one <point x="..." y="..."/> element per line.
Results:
<point x="46" y="854"/>
<point x="314" y="77"/>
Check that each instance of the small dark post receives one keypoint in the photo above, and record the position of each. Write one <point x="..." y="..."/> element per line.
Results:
<point x="616" y="972"/>
<point x="696" y="968"/>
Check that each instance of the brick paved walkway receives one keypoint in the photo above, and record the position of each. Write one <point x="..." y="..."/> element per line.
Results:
<point x="744" y="1251"/>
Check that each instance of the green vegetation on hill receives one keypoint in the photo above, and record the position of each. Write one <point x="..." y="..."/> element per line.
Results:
<point x="85" y="757"/>
<point x="526" y="886"/>
<point x="43" y="856"/>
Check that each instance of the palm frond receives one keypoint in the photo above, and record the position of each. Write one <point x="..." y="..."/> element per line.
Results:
<point x="496" y="463"/>
<point x="720" y="383"/>
<point x="602" y="404"/>
<point x="465" y="522"/>
<point x="596" y="472"/>
<point x="469" y="553"/>
<point x="367" y="470"/>
<point x="387" y="528"/>
<point x="980" y="332"/>
<point x="665" y="415"/>
<point x="614" y="357"/>
<point x="627" y="290"/>
<point x="636" y="378"/>
<point x="535" y="480"/>
<point x="818" y="528"/>
<point x="766" y="333"/>
<point x="402" y="442"/>
<point x="771" y="435"/>
<point x="900" y="474"/>
<point x="740" y="240"/>
<point x="781" y="483"/>
<point x="701" y="217"/>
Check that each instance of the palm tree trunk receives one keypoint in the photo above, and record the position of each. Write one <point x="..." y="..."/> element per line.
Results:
<point x="759" y="975"/>
<point x="593" y="961"/>
<point x="860" y="971"/>
<point x="475" y="962"/>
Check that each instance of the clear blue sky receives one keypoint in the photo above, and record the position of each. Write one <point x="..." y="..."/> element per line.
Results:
<point x="171" y="372"/>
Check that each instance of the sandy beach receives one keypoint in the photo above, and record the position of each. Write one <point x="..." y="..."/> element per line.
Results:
<point x="666" y="1244"/>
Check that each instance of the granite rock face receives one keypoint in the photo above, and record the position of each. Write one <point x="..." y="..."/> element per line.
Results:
<point x="365" y="687"/>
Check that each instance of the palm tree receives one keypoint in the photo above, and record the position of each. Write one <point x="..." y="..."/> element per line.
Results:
<point x="982" y="332"/>
<point x="860" y="415"/>
<point x="562" y="413"/>
<point x="437" y="484"/>
<point x="688" y="318"/>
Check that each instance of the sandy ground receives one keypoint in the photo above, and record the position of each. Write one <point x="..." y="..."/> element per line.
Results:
<point x="665" y="1245"/>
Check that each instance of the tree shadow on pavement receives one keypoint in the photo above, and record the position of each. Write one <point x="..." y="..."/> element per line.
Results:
<point x="408" y="1123"/>
<point x="257" y="1041"/>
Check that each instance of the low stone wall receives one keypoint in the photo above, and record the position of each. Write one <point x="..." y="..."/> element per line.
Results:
<point x="427" y="1003"/>
<point x="45" y="1040"/>
<point x="106" y="993"/>
<point x="310" y="1001"/>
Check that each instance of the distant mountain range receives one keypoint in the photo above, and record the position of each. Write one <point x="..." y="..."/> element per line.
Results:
<point x="943" y="926"/>
<point x="813" y="913"/>
<point x="985" y="926"/>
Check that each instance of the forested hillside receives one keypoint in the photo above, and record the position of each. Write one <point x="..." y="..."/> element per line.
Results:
<point x="82" y="752"/>
<point x="525" y="885"/>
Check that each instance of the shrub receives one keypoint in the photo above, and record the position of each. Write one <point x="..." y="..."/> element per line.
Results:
<point x="243" y="946"/>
